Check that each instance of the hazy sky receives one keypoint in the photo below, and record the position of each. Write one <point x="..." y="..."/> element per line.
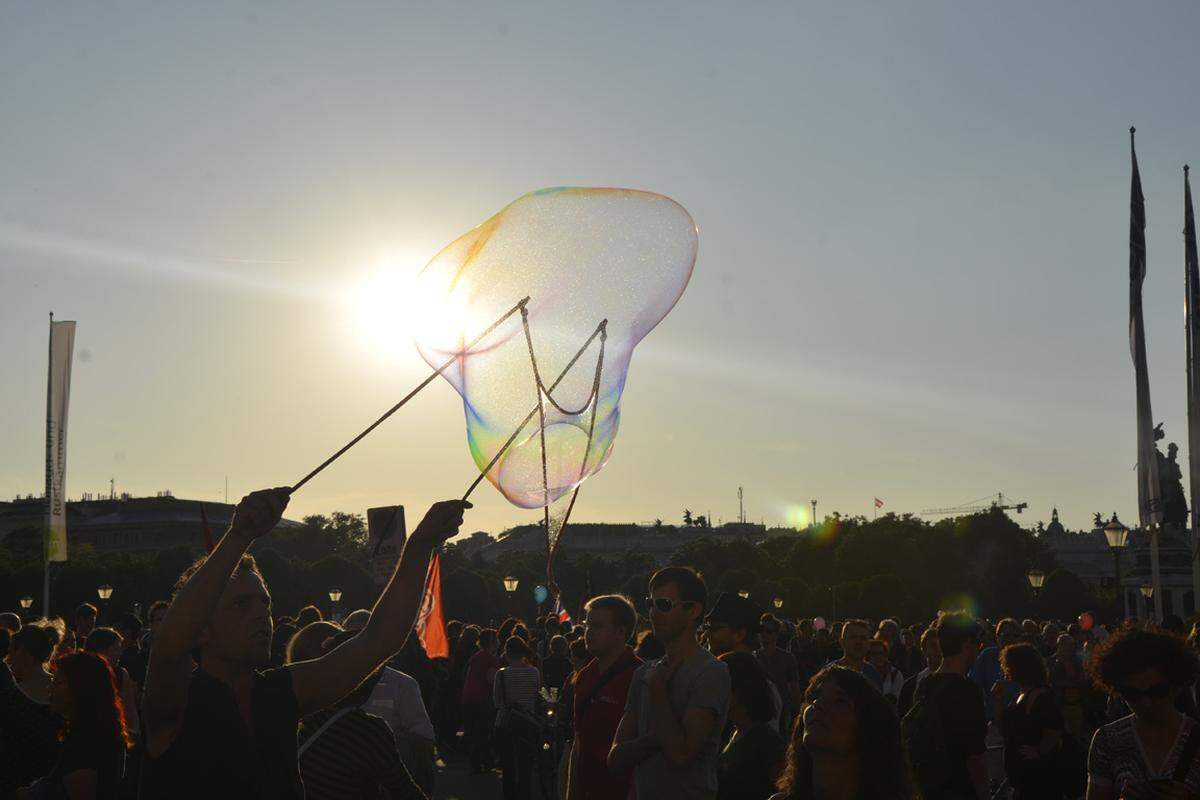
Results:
<point x="912" y="281"/>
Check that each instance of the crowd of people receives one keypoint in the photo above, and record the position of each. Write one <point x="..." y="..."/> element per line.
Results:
<point x="215" y="696"/>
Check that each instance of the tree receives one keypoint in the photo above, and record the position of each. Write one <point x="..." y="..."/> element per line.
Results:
<point x="687" y="517"/>
<point x="1065" y="596"/>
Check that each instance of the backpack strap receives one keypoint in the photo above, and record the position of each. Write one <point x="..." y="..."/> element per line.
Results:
<point x="613" y="671"/>
<point x="1187" y="756"/>
<point x="324" y="727"/>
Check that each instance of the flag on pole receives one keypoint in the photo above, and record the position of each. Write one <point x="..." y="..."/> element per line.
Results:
<point x="58" y="396"/>
<point x="559" y="611"/>
<point x="1191" y="286"/>
<point x="878" y="503"/>
<point x="431" y="619"/>
<point x="1149" y="502"/>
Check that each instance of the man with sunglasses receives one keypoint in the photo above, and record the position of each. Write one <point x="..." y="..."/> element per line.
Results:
<point x="670" y="734"/>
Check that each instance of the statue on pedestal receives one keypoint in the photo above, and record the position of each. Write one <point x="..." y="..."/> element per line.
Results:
<point x="1170" y="484"/>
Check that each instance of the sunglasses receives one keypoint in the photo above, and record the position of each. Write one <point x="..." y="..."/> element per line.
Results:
<point x="1156" y="692"/>
<point x="665" y="604"/>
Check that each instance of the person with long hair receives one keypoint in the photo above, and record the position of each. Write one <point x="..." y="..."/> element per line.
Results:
<point x="515" y="691"/>
<point x="106" y="642"/>
<point x="752" y="759"/>
<point x="94" y="738"/>
<point x="1152" y="752"/>
<point x="846" y="743"/>
<point x="28" y="724"/>
<point x="1032" y="725"/>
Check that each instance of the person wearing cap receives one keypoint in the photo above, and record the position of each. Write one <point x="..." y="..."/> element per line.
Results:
<point x="733" y="627"/>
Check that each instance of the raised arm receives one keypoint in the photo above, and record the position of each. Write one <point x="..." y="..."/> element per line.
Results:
<point x="169" y="670"/>
<point x="327" y="679"/>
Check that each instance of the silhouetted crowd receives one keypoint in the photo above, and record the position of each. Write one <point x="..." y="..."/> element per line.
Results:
<point x="215" y="697"/>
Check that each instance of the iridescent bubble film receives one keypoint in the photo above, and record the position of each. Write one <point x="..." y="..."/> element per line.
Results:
<point x="580" y="256"/>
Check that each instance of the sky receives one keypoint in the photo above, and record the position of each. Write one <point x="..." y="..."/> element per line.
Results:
<point x="912" y="280"/>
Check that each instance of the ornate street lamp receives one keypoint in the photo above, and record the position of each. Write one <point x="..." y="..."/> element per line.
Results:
<point x="26" y="602"/>
<point x="1036" y="579"/>
<point x="511" y="584"/>
<point x="1117" y="536"/>
<point x="335" y="595"/>
<point x="778" y="603"/>
<point x="104" y="592"/>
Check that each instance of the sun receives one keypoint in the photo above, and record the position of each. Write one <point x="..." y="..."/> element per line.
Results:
<point x="380" y="306"/>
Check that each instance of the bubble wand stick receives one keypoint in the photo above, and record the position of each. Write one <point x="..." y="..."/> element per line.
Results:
<point x="518" y="307"/>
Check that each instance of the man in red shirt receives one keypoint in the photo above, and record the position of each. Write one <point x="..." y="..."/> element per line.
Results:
<point x="600" y="693"/>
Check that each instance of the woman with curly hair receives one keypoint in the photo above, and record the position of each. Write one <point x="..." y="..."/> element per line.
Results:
<point x="94" y="738"/>
<point x="1153" y="751"/>
<point x="846" y="744"/>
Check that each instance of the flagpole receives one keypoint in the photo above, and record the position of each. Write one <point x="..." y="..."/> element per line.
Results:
<point x="49" y="477"/>
<point x="1149" y="491"/>
<point x="1191" y="278"/>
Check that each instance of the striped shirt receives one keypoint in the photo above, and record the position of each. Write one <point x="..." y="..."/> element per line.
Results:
<point x="517" y="686"/>
<point x="352" y="758"/>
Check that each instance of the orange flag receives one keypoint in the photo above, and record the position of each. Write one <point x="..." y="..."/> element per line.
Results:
<point x="431" y="620"/>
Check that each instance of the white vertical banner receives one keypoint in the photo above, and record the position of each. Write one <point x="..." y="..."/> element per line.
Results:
<point x="58" y="396"/>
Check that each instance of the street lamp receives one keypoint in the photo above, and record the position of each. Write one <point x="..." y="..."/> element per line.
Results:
<point x="335" y="595"/>
<point x="104" y="592"/>
<point x="1036" y="579"/>
<point x="1147" y="591"/>
<point x="1117" y="536"/>
<point x="778" y="603"/>
<point x="743" y="594"/>
<point x="26" y="602"/>
<point x="510" y="586"/>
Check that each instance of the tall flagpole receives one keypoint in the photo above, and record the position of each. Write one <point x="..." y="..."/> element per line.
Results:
<point x="1149" y="492"/>
<point x="49" y="476"/>
<point x="1191" y="283"/>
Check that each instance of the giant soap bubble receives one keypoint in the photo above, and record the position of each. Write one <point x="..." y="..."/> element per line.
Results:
<point x="555" y="370"/>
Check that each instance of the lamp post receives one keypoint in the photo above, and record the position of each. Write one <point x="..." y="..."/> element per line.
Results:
<point x="743" y="594"/>
<point x="1117" y="536"/>
<point x="335" y="596"/>
<point x="26" y="603"/>
<point x="1147" y="593"/>
<point x="103" y="592"/>
<point x="510" y="586"/>
<point x="1036" y="579"/>
<point x="778" y="603"/>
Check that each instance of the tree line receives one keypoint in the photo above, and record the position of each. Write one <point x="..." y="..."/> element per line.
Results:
<point x="847" y="566"/>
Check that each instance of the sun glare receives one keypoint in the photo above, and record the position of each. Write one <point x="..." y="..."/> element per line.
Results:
<point x="380" y="309"/>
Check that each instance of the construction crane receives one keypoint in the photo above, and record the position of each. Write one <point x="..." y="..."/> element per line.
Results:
<point x="998" y="502"/>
